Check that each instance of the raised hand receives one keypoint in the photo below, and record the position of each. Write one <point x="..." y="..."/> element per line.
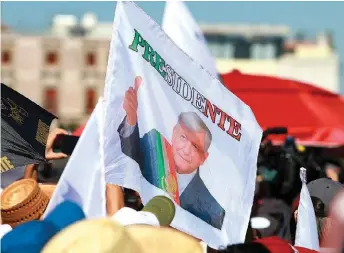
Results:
<point x="49" y="153"/>
<point x="130" y="102"/>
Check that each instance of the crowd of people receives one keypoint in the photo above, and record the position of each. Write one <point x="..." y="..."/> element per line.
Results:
<point x="134" y="227"/>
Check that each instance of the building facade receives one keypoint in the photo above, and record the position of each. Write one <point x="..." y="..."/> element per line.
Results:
<point x="266" y="50"/>
<point x="64" y="70"/>
<point x="65" y="75"/>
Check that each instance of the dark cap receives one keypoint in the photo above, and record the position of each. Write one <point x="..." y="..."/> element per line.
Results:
<point x="279" y="215"/>
<point x="324" y="189"/>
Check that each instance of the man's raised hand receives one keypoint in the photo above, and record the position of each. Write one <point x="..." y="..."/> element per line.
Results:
<point x="130" y="102"/>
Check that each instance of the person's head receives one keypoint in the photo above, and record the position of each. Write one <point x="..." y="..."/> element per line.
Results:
<point x="334" y="171"/>
<point x="190" y="142"/>
<point x="323" y="222"/>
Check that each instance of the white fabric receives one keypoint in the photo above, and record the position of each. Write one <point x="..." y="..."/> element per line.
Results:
<point x="83" y="179"/>
<point x="181" y="27"/>
<point x="306" y="229"/>
<point x="128" y="216"/>
<point x="229" y="171"/>
<point x="4" y="229"/>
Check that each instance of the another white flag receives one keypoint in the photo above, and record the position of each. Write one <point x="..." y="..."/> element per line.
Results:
<point x="181" y="27"/>
<point x="173" y="129"/>
<point x="83" y="179"/>
<point x="306" y="229"/>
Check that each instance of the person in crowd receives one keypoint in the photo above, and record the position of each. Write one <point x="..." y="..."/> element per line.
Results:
<point x="334" y="170"/>
<point x="322" y="192"/>
<point x="335" y="237"/>
<point x="277" y="215"/>
<point x="114" y="198"/>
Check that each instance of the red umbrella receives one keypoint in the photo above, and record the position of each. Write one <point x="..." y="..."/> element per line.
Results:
<point x="312" y="115"/>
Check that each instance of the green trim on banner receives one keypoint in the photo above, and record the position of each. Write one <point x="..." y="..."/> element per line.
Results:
<point x="160" y="158"/>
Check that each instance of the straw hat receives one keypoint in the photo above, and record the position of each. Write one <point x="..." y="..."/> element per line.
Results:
<point x="163" y="239"/>
<point x="105" y="235"/>
<point x="48" y="189"/>
<point x="24" y="200"/>
<point x="89" y="236"/>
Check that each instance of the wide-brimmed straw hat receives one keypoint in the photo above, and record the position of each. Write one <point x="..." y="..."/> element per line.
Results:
<point x="23" y="201"/>
<point x="48" y="189"/>
<point x="163" y="239"/>
<point x="105" y="235"/>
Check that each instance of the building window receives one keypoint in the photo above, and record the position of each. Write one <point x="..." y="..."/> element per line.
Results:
<point x="51" y="58"/>
<point x="270" y="51"/>
<point x="90" y="100"/>
<point x="52" y="75"/>
<point x="256" y="51"/>
<point x="228" y="51"/>
<point x="263" y="51"/>
<point x="222" y="50"/>
<point x="6" y="57"/>
<point x="50" y="100"/>
<point x="90" y="59"/>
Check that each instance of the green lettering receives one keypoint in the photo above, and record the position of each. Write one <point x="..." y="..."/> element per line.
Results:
<point x="149" y="54"/>
<point x="160" y="64"/>
<point x="138" y="40"/>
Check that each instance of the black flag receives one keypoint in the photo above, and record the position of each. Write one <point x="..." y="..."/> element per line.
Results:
<point x="24" y="130"/>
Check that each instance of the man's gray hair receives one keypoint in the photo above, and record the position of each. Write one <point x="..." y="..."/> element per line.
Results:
<point x="194" y="123"/>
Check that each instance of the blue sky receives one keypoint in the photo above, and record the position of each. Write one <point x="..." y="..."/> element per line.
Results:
<point x="309" y="17"/>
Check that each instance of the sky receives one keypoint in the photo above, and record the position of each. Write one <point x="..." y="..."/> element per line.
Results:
<point x="308" y="17"/>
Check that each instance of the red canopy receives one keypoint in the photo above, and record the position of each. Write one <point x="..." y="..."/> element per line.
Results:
<point x="312" y="115"/>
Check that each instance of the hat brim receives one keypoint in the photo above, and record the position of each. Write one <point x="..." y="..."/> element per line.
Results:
<point x="112" y="237"/>
<point x="48" y="189"/>
<point x="81" y="237"/>
<point x="153" y="239"/>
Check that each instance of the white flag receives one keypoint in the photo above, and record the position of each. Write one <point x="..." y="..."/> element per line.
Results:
<point x="172" y="129"/>
<point x="83" y="179"/>
<point x="181" y="27"/>
<point x="306" y="229"/>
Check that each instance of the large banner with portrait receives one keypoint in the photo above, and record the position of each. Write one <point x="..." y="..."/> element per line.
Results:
<point x="173" y="129"/>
